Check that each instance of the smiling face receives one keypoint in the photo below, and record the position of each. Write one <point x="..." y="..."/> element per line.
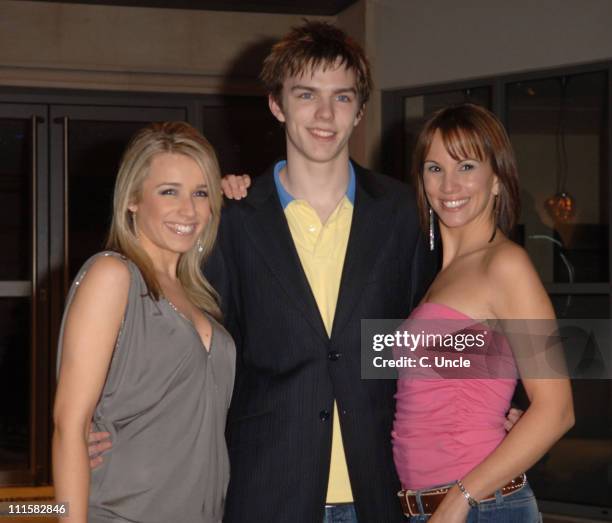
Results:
<point x="173" y="206"/>
<point x="320" y="109"/>
<point x="460" y="191"/>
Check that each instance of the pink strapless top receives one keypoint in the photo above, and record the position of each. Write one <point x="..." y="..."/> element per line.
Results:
<point x="445" y="427"/>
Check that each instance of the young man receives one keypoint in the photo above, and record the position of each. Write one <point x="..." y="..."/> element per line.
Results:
<point x="318" y="244"/>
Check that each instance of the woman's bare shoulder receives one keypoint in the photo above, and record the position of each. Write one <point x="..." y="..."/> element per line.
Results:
<point x="516" y="285"/>
<point x="107" y="277"/>
<point x="507" y="260"/>
<point x="109" y="269"/>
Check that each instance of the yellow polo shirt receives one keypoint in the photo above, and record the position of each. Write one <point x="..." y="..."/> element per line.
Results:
<point x="322" y="248"/>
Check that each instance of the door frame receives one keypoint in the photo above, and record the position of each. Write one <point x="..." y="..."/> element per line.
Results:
<point x="36" y="288"/>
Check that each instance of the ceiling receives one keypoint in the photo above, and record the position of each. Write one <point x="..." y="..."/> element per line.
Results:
<point x="305" y="7"/>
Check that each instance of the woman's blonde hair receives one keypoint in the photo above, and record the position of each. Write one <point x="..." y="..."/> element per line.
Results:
<point x="175" y="138"/>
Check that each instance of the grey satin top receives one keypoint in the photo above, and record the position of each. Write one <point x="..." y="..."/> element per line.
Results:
<point x="165" y="403"/>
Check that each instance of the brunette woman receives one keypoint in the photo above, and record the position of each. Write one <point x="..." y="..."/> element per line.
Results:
<point x="453" y="456"/>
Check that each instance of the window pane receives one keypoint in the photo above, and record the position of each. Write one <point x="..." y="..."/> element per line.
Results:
<point x="93" y="159"/>
<point x="14" y="383"/>
<point x="577" y="306"/>
<point x="558" y="130"/>
<point x="15" y="196"/>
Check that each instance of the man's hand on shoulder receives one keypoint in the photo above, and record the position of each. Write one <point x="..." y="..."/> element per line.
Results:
<point x="234" y="186"/>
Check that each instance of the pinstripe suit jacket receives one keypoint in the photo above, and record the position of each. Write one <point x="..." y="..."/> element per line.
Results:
<point x="289" y="371"/>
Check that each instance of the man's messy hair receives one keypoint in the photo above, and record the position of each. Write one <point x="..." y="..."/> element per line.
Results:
<point x="312" y="45"/>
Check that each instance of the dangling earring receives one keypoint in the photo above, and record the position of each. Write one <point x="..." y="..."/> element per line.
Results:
<point x="200" y="246"/>
<point x="432" y="238"/>
<point x="494" y="219"/>
<point x="133" y="220"/>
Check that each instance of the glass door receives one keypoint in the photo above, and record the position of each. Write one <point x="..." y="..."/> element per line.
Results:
<point x="87" y="145"/>
<point x="24" y="399"/>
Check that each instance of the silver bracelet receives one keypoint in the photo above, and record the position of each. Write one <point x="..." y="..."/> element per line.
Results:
<point x="466" y="494"/>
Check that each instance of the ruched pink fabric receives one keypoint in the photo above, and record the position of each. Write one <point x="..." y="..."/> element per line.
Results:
<point x="445" y="427"/>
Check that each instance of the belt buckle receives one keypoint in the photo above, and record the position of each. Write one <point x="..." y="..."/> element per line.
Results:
<point x="404" y="494"/>
<point x="427" y="508"/>
<point x="430" y="498"/>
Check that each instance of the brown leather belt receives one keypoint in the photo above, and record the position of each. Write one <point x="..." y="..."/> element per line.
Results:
<point x="432" y="498"/>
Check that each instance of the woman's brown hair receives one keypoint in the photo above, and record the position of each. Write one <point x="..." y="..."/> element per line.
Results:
<point x="470" y="131"/>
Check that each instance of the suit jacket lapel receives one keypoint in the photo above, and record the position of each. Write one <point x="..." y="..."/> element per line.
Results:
<point x="269" y="232"/>
<point x="366" y="238"/>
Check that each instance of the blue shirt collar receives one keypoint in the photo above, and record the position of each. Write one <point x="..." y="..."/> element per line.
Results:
<point x="286" y="198"/>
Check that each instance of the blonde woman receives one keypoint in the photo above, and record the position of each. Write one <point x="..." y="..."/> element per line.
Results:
<point x="141" y="351"/>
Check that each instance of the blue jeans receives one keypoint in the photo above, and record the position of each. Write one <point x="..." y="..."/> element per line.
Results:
<point x="518" y="507"/>
<point x="342" y="513"/>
